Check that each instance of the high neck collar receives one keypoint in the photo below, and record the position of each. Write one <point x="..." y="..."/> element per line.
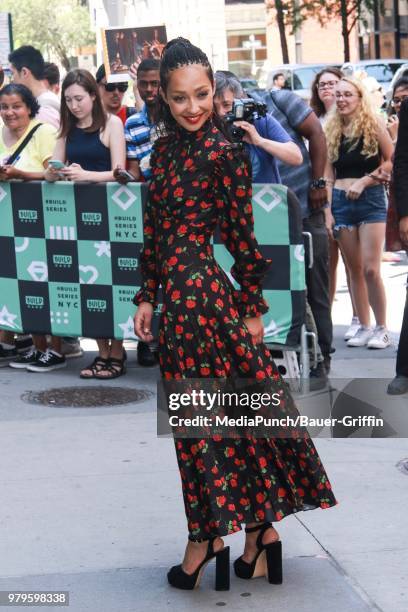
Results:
<point x="191" y="136"/>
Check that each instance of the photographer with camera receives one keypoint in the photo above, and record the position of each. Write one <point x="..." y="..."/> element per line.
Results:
<point x="265" y="140"/>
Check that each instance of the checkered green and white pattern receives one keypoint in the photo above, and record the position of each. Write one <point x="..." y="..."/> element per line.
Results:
<point x="70" y="258"/>
<point x="278" y="229"/>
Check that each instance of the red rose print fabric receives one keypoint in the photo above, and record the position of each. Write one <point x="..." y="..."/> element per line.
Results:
<point x="200" y="181"/>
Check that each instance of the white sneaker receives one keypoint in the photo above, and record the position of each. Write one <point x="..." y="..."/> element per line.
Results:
<point x="353" y="329"/>
<point x="361" y="337"/>
<point x="380" y="338"/>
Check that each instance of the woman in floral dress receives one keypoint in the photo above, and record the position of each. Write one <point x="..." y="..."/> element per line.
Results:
<point x="209" y="330"/>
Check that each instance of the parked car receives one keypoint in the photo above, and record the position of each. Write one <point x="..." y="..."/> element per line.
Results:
<point x="381" y="69"/>
<point x="298" y="77"/>
<point x="248" y="83"/>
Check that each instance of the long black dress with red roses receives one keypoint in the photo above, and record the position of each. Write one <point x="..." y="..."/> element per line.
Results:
<point x="199" y="180"/>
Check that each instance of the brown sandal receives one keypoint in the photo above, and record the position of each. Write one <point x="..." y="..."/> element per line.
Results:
<point x="99" y="363"/>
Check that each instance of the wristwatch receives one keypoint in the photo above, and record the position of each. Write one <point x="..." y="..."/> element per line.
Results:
<point x="320" y="183"/>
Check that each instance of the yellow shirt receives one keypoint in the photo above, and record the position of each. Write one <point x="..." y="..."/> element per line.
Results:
<point x="36" y="152"/>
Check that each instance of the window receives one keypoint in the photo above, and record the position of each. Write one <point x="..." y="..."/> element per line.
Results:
<point x="240" y="57"/>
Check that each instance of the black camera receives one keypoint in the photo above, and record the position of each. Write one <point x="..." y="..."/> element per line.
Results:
<point x="243" y="109"/>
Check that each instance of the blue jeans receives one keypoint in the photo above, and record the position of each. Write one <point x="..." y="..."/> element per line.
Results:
<point x="370" y="207"/>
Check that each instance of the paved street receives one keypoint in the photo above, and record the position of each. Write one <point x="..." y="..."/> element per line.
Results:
<point x="90" y="500"/>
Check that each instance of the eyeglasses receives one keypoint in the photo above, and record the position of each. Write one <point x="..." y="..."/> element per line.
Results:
<point x="328" y="84"/>
<point x="398" y="101"/>
<point x="110" y="87"/>
<point x="346" y="95"/>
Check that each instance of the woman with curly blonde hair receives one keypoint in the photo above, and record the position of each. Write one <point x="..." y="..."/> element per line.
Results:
<point x="359" y="154"/>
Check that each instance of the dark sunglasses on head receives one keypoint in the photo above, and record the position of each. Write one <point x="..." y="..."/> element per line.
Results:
<point x="110" y="87"/>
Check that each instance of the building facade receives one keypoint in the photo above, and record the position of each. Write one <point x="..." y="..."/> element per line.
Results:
<point x="312" y="43"/>
<point x="384" y="34"/>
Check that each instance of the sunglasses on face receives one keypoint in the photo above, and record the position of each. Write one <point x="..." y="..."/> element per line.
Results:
<point x="110" y="87"/>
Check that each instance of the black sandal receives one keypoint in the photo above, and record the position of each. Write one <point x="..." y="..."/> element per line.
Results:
<point x="99" y="363"/>
<point x="268" y="559"/>
<point x="115" y="367"/>
<point x="178" y="578"/>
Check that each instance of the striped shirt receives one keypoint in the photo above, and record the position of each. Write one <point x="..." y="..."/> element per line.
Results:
<point x="140" y="135"/>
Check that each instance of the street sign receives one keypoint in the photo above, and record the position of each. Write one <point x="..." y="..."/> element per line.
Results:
<point x="6" y="38"/>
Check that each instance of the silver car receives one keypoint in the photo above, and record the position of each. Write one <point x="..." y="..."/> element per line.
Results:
<point x="298" y="77"/>
<point x="381" y="69"/>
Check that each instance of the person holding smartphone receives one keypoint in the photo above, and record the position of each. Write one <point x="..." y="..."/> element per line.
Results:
<point x="91" y="144"/>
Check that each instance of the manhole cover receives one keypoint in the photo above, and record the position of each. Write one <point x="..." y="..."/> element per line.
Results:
<point x="403" y="466"/>
<point x="86" y="397"/>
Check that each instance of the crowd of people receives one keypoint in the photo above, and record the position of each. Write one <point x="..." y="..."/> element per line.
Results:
<point x="336" y="154"/>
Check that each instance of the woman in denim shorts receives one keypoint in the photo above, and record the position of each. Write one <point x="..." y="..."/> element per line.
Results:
<point x="360" y="152"/>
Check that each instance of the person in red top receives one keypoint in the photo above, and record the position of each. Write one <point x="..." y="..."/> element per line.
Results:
<point x="112" y="96"/>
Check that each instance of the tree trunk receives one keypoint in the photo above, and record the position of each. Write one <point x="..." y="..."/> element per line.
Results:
<point x="64" y="59"/>
<point x="280" y="17"/>
<point x="344" y="30"/>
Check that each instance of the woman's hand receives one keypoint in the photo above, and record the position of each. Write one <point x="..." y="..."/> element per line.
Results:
<point x="251" y="135"/>
<point x="74" y="172"/>
<point x="7" y="173"/>
<point x="143" y="321"/>
<point x="256" y="328"/>
<point x="381" y="174"/>
<point x="51" y="174"/>
<point x="356" y="189"/>
<point x="120" y="176"/>
<point x="392" y="127"/>
<point x="329" y="221"/>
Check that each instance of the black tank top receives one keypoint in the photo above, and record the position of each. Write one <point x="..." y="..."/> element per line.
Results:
<point x="352" y="163"/>
<point x="87" y="150"/>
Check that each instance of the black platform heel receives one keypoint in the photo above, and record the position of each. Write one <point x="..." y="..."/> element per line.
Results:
<point x="267" y="562"/>
<point x="178" y="578"/>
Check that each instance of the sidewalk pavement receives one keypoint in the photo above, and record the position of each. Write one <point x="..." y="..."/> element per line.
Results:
<point x="91" y="503"/>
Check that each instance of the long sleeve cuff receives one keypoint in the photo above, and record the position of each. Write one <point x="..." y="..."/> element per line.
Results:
<point x="146" y="294"/>
<point x="251" y="303"/>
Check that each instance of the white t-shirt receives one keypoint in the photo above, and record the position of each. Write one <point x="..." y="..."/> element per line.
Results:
<point x="49" y="108"/>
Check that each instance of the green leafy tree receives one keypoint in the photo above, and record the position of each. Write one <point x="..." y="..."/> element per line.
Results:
<point x="52" y="26"/>
<point x="290" y="15"/>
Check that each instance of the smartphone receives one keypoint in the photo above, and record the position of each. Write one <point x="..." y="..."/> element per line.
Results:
<point x="56" y="164"/>
<point x="125" y="174"/>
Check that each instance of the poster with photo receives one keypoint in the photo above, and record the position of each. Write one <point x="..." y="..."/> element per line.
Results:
<point x="124" y="46"/>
